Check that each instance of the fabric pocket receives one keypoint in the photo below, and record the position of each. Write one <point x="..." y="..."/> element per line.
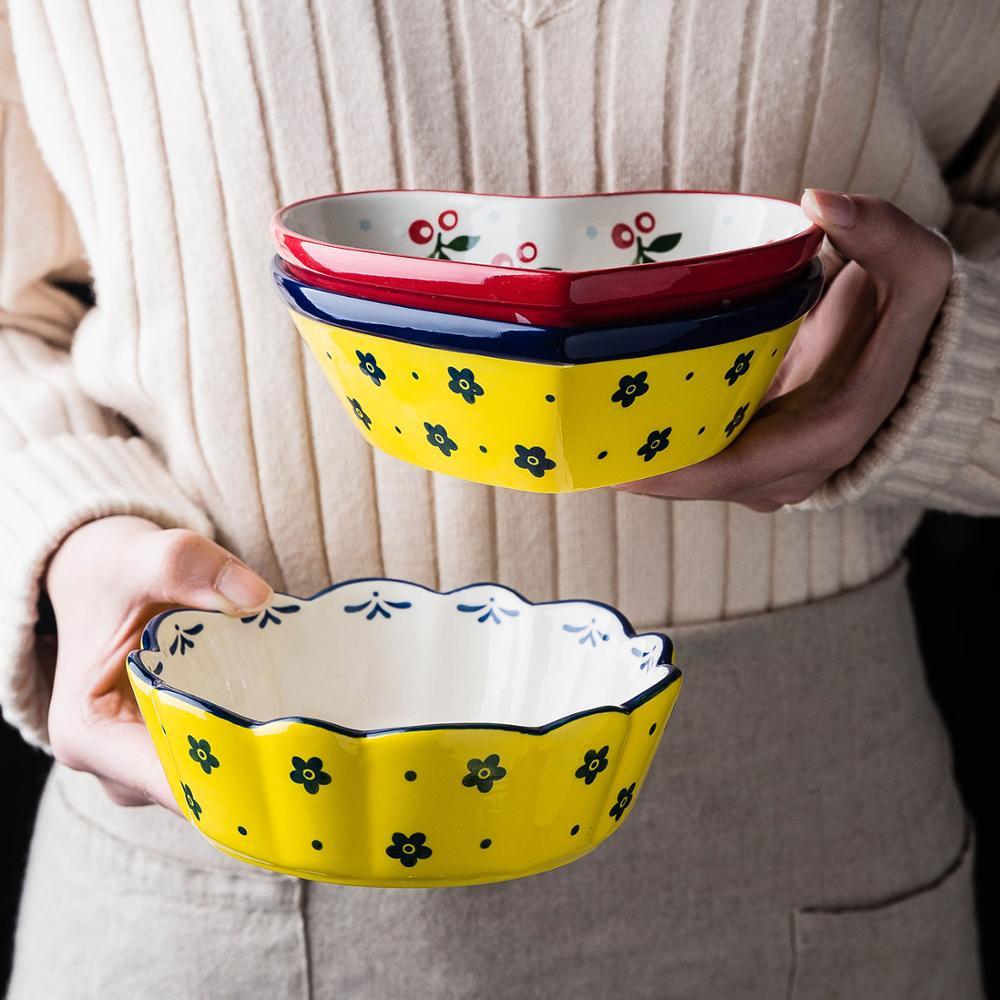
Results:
<point x="921" y="945"/>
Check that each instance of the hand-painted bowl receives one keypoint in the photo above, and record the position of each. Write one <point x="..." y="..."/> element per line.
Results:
<point x="385" y="734"/>
<point x="555" y="261"/>
<point x="501" y="404"/>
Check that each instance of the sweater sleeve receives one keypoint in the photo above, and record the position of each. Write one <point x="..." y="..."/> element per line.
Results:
<point x="64" y="459"/>
<point x="940" y="448"/>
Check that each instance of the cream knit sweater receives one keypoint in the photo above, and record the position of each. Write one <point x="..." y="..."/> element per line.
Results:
<point x="148" y="142"/>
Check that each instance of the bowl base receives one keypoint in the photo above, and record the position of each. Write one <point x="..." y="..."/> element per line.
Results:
<point x="403" y="882"/>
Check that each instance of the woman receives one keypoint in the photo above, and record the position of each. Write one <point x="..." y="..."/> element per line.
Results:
<point x="800" y="834"/>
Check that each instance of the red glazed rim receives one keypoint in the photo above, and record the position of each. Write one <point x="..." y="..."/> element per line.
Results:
<point x="282" y="233"/>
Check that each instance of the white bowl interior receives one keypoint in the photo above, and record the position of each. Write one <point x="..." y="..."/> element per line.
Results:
<point x="380" y="654"/>
<point x="552" y="233"/>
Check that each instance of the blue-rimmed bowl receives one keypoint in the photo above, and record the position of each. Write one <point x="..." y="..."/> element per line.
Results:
<point x="561" y="345"/>
<point x="385" y="734"/>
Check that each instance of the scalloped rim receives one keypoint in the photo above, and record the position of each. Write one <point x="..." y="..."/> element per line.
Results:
<point x="149" y="644"/>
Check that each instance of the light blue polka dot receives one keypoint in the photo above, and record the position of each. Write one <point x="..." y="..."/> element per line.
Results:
<point x="591" y="232"/>
<point x="365" y="224"/>
<point x="727" y="220"/>
<point x="494" y="215"/>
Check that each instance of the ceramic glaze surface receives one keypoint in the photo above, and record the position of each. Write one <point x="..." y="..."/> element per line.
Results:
<point x="546" y="428"/>
<point x="569" y="233"/>
<point x="554" y="260"/>
<point x="385" y="734"/>
<point x="557" y="344"/>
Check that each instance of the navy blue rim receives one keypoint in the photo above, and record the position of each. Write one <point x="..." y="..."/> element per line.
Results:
<point x="555" y="345"/>
<point x="150" y="644"/>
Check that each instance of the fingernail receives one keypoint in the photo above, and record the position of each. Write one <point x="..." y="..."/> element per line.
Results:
<point x="831" y="206"/>
<point x="243" y="588"/>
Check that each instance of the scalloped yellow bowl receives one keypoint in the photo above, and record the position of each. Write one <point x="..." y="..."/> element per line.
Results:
<point x="478" y="737"/>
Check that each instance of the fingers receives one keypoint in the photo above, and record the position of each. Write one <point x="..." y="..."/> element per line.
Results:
<point x="890" y="245"/>
<point x="182" y="567"/>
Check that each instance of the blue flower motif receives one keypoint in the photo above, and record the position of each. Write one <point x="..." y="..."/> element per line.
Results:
<point x="533" y="459"/>
<point x="648" y="657"/>
<point x="623" y="802"/>
<point x="309" y="774"/>
<point x="378" y="607"/>
<point x="656" y="441"/>
<point x="438" y="436"/>
<point x="737" y="419"/>
<point x="201" y="753"/>
<point x="630" y="388"/>
<point x="594" y="761"/>
<point x="408" y="850"/>
<point x="739" y="367"/>
<point x="463" y="381"/>
<point x="192" y="802"/>
<point x="183" y="641"/>
<point x="360" y="414"/>
<point x="482" y="773"/>
<point x="368" y="364"/>
<point x="489" y="611"/>
<point x="588" y="633"/>
<point x="270" y="616"/>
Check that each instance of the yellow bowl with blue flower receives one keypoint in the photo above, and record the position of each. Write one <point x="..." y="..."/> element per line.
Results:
<point x="384" y="734"/>
<point x="547" y="410"/>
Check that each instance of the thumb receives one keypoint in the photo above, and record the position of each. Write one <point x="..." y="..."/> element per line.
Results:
<point x="187" y="568"/>
<point x="890" y="245"/>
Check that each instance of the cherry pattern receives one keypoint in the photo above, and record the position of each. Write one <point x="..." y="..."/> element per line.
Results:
<point x="421" y="232"/>
<point x="625" y="237"/>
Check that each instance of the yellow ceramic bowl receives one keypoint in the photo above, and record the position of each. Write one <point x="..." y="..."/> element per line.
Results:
<point x="514" y="407"/>
<point x="478" y="738"/>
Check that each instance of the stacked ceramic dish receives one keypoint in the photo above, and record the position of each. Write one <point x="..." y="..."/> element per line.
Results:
<point x="548" y="344"/>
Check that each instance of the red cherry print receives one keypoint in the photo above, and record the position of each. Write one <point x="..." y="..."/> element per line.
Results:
<point x="645" y="221"/>
<point x="421" y="231"/>
<point x="502" y="260"/>
<point x="448" y="219"/>
<point x="622" y="236"/>
<point x="527" y="252"/>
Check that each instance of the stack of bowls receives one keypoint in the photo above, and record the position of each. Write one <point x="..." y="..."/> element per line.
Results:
<point x="548" y="344"/>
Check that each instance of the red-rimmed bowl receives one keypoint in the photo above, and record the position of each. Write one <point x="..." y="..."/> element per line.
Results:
<point x="553" y="261"/>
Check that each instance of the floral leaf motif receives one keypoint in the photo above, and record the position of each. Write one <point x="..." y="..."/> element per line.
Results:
<point x="368" y="365"/>
<point x="309" y="774"/>
<point x="182" y="641"/>
<point x="461" y="243"/>
<point x="377" y="607"/>
<point x="463" y="381"/>
<point x="738" y="417"/>
<point x="360" y="414"/>
<point x="656" y="441"/>
<point x="648" y="654"/>
<point x="491" y="611"/>
<point x="622" y="803"/>
<point x="409" y="849"/>
<point x="534" y="460"/>
<point x="483" y="773"/>
<point x="739" y="367"/>
<point x="663" y="243"/>
<point x="437" y="435"/>
<point x="192" y="802"/>
<point x="271" y="616"/>
<point x="588" y="633"/>
<point x="594" y="761"/>
<point x="200" y="751"/>
<point x="630" y="388"/>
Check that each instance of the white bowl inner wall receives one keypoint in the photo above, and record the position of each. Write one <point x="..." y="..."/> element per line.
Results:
<point x="569" y="233"/>
<point x="426" y="664"/>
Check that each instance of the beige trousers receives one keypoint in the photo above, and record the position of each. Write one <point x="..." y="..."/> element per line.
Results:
<point x="799" y="837"/>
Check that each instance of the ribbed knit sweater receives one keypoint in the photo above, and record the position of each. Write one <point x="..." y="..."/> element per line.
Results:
<point x="145" y="143"/>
